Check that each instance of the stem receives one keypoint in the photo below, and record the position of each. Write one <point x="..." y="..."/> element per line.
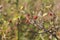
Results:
<point x="17" y="3"/>
<point x="18" y="20"/>
<point x="18" y="30"/>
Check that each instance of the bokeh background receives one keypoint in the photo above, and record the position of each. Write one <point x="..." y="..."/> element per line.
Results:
<point x="29" y="19"/>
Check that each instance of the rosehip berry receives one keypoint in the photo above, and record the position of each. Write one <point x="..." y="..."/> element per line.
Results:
<point x="28" y="14"/>
<point x="10" y="20"/>
<point x="50" y="14"/>
<point x="35" y="17"/>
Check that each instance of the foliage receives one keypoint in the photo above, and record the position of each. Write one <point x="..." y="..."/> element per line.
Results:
<point x="29" y="20"/>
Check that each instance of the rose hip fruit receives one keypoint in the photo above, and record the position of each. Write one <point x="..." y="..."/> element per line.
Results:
<point x="35" y="17"/>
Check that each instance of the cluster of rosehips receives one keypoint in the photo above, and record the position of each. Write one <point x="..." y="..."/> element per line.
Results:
<point x="27" y="16"/>
<point x="46" y="17"/>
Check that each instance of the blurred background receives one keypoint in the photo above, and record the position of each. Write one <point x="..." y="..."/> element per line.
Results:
<point x="29" y="19"/>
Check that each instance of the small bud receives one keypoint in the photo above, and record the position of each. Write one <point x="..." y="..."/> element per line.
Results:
<point x="21" y="7"/>
<point x="45" y="14"/>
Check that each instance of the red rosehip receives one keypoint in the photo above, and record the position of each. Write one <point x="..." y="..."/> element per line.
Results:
<point x="50" y="14"/>
<point x="35" y="17"/>
<point x="10" y="20"/>
<point x="28" y="14"/>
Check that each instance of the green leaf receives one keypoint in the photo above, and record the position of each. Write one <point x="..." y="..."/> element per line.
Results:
<point x="22" y="17"/>
<point x="46" y="25"/>
<point x="31" y="26"/>
<point x="4" y="28"/>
